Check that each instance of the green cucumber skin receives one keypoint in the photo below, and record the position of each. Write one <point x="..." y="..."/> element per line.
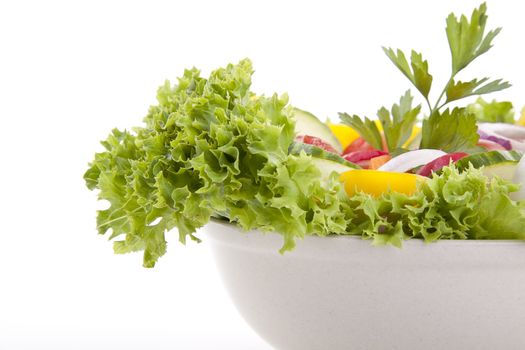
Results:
<point x="494" y="163"/>
<point x="319" y="153"/>
<point x="486" y="159"/>
<point x="309" y="124"/>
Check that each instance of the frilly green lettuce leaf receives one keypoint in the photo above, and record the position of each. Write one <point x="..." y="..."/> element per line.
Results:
<point x="211" y="148"/>
<point x="492" y="112"/>
<point x="451" y="205"/>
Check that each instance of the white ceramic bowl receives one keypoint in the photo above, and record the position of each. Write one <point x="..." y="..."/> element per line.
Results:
<point x="342" y="293"/>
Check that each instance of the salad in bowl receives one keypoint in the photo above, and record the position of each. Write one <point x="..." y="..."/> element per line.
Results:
<point x="313" y="196"/>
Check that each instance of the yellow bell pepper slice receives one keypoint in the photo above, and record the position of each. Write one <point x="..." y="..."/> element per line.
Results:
<point x="376" y="182"/>
<point x="346" y="135"/>
<point x="521" y="121"/>
<point x="415" y="131"/>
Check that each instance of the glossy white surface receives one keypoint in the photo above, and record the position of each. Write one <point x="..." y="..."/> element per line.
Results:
<point x="340" y="293"/>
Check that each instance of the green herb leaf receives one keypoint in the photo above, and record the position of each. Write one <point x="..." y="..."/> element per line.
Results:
<point x="466" y="38"/>
<point x="398" y="126"/>
<point x="366" y="128"/>
<point x="416" y="72"/>
<point x="459" y="89"/>
<point x="492" y="112"/>
<point x="422" y="79"/>
<point x="450" y="131"/>
<point x="211" y="148"/>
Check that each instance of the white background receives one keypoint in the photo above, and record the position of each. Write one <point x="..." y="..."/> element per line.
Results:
<point x="70" y="71"/>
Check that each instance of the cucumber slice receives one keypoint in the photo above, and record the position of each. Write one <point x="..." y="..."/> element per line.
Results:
<point x="488" y="158"/>
<point x="308" y="124"/>
<point x="519" y="176"/>
<point x="505" y="170"/>
<point x="327" y="162"/>
<point x="494" y="163"/>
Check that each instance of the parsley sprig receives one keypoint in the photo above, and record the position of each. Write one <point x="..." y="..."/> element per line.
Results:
<point x="397" y="124"/>
<point x="467" y="41"/>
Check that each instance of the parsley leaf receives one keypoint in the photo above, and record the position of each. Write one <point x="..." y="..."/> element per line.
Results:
<point x="398" y="124"/>
<point x="366" y="128"/>
<point x="453" y="130"/>
<point x="466" y="39"/>
<point x="459" y="89"/>
<point x="450" y="131"/>
<point x="417" y="72"/>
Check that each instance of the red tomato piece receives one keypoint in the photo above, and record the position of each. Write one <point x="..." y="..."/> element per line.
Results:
<point x="360" y="144"/>
<point x="317" y="142"/>
<point x="362" y="158"/>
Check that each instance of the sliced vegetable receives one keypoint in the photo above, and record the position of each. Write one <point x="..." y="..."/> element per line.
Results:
<point x="362" y="158"/>
<point x="414" y="142"/>
<point x="439" y="163"/>
<point x="359" y="144"/>
<point x="494" y="163"/>
<point x="515" y="134"/>
<point x="316" y="152"/>
<point x="376" y="162"/>
<point x="411" y="160"/>
<point x="503" y="142"/>
<point x="345" y="134"/>
<point x="413" y="139"/>
<point x="377" y="182"/>
<point x="504" y="170"/>
<point x="327" y="167"/>
<point x="316" y="141"/>
<point x="308" y="124"/>
<point x="490" y="145"/>
<point x="519" y="178"/>
<point x="488" y="158"/>
<point x="326" y="162"/>
<point x="521" y="121"/>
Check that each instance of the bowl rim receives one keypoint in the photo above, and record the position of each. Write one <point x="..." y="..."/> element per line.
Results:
<point x="354" y="251"/>
<point x="410" y="242"/>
